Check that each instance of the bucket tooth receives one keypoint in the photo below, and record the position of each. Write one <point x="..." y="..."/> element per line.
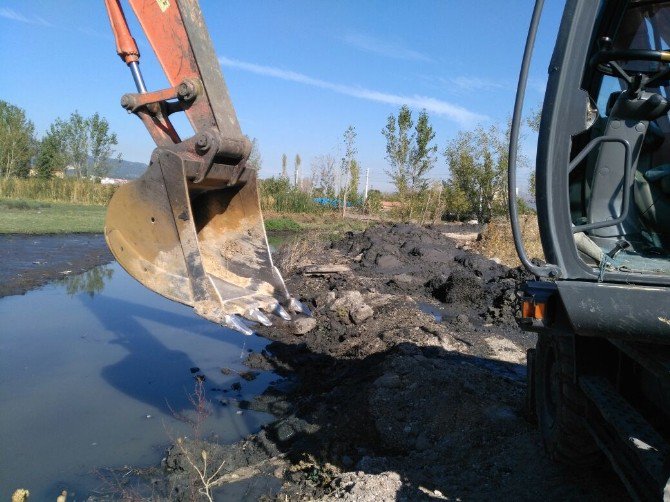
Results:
<point x="256" y="315"/>
<point x="281" y="312"/>
<point x="298" y="307"/>
<point x="235" y="323"/>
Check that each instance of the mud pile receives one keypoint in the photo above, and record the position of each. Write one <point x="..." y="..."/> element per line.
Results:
<point x="409" y="385"/>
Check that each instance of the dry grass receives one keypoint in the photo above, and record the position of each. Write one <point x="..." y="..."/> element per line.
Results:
<point x="497" y="240"/>
<point x="299" y="252"/>
<point x="72" y="191"/>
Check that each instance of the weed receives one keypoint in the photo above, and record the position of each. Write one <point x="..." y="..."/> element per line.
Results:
<point x="298" y="252"/>
<point x="497" y="241"/>
<point x="282" y="225"/>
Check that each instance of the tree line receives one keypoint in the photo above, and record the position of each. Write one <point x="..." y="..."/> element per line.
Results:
<point x="83" y="144"/>
<point x="477" y="161"/>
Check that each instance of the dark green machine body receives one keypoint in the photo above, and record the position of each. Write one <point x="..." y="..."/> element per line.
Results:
<point x="600" y="374"/>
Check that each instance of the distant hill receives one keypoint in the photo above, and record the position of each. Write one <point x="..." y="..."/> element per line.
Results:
<point x="126" y="169"/>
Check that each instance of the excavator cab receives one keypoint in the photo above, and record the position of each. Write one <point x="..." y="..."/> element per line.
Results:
<point x="191" y="227"/>
<point x="599" y="376"/>
<point x="603" y="165"/>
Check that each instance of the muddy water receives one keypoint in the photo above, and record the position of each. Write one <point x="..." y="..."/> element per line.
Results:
<point x="93" y="373"/>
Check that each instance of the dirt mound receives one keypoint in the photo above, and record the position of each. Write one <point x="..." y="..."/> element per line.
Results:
<point x="410" y="386"/>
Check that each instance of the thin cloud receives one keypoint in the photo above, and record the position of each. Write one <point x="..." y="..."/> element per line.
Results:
<point x="456" y="113"/>
<point x="384" y="48"/>
<point x="477" y="83"/>
<point x="12" y="15"/>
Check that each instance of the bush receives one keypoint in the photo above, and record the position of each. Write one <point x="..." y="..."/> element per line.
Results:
<point x="277" y="194"/>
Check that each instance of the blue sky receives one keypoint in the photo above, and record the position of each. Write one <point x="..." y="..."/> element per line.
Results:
<point x="299" y="72"/>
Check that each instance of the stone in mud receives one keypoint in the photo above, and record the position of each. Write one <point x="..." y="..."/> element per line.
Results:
<point x="286" y="431"/>
<point x="303" y="325"/>
<point x="347" y="301"/>
<point x="249" y="375"/>
<point x="387" y="261"/>
<point x="361" y="314"/>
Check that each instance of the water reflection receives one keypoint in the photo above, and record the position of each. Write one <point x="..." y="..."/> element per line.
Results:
<point x="91" y="282"/>
<point x="95" y="380"/>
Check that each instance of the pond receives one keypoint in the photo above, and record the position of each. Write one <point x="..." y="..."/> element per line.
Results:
<point x="96" y="371"/>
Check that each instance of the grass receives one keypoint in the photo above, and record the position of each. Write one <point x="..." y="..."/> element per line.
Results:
<point x="329" y="221"/>
<point x="73" y="191"/>
<point x="497" y="240"/>
<point x="36" y="217"/>
<point x="282" y="224"/>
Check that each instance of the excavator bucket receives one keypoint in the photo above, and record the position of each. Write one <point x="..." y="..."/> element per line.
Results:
<point x="191" y="227"/>
<point x="202" y="246"/>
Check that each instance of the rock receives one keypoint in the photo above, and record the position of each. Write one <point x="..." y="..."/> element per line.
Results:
<point x="303" y="325"/>
<point x="361" y="314"/>
<point x="285" y="431"/>
<point x="249" y="375"/>
<point x="347" y="301"/>
<point x="376" y="300"/>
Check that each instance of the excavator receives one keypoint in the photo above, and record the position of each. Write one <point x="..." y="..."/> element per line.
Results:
<point x="599" y="376"/>
<point x="190" y="228"/>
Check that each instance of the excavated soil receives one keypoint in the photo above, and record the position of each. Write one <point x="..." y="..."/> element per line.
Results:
<point x="408" y="384"/>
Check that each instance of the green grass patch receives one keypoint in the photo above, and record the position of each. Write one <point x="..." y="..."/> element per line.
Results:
<point x="282" y="225"/>
<point x="34" y="217"/>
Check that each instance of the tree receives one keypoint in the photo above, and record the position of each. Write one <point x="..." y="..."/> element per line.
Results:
<point x="349" y="169"/>
<point x="101" y="141"/>
<point x="284" y="164"/>
<point x="50" y="157"/>
<point x="410" y="154"/>
<point x="323" y="175"/>
<point x="478" y="162"/>
<point x="398" y="141"/>
<point x="255" y="160"/>
<point x="422" y="155"/>
<point x="296" y="169"/>
<point x="86" y="143"/>
<point x="456" y="202"/>
<point x="17" y="142"/>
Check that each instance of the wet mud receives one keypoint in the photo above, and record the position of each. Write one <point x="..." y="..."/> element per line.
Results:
<point x="30" y="261"/>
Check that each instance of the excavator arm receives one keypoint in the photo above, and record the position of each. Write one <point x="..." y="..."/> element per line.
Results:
<point x="191" y="227"/>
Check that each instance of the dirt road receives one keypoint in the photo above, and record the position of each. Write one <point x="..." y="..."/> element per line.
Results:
<point x="409" y="384"/>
